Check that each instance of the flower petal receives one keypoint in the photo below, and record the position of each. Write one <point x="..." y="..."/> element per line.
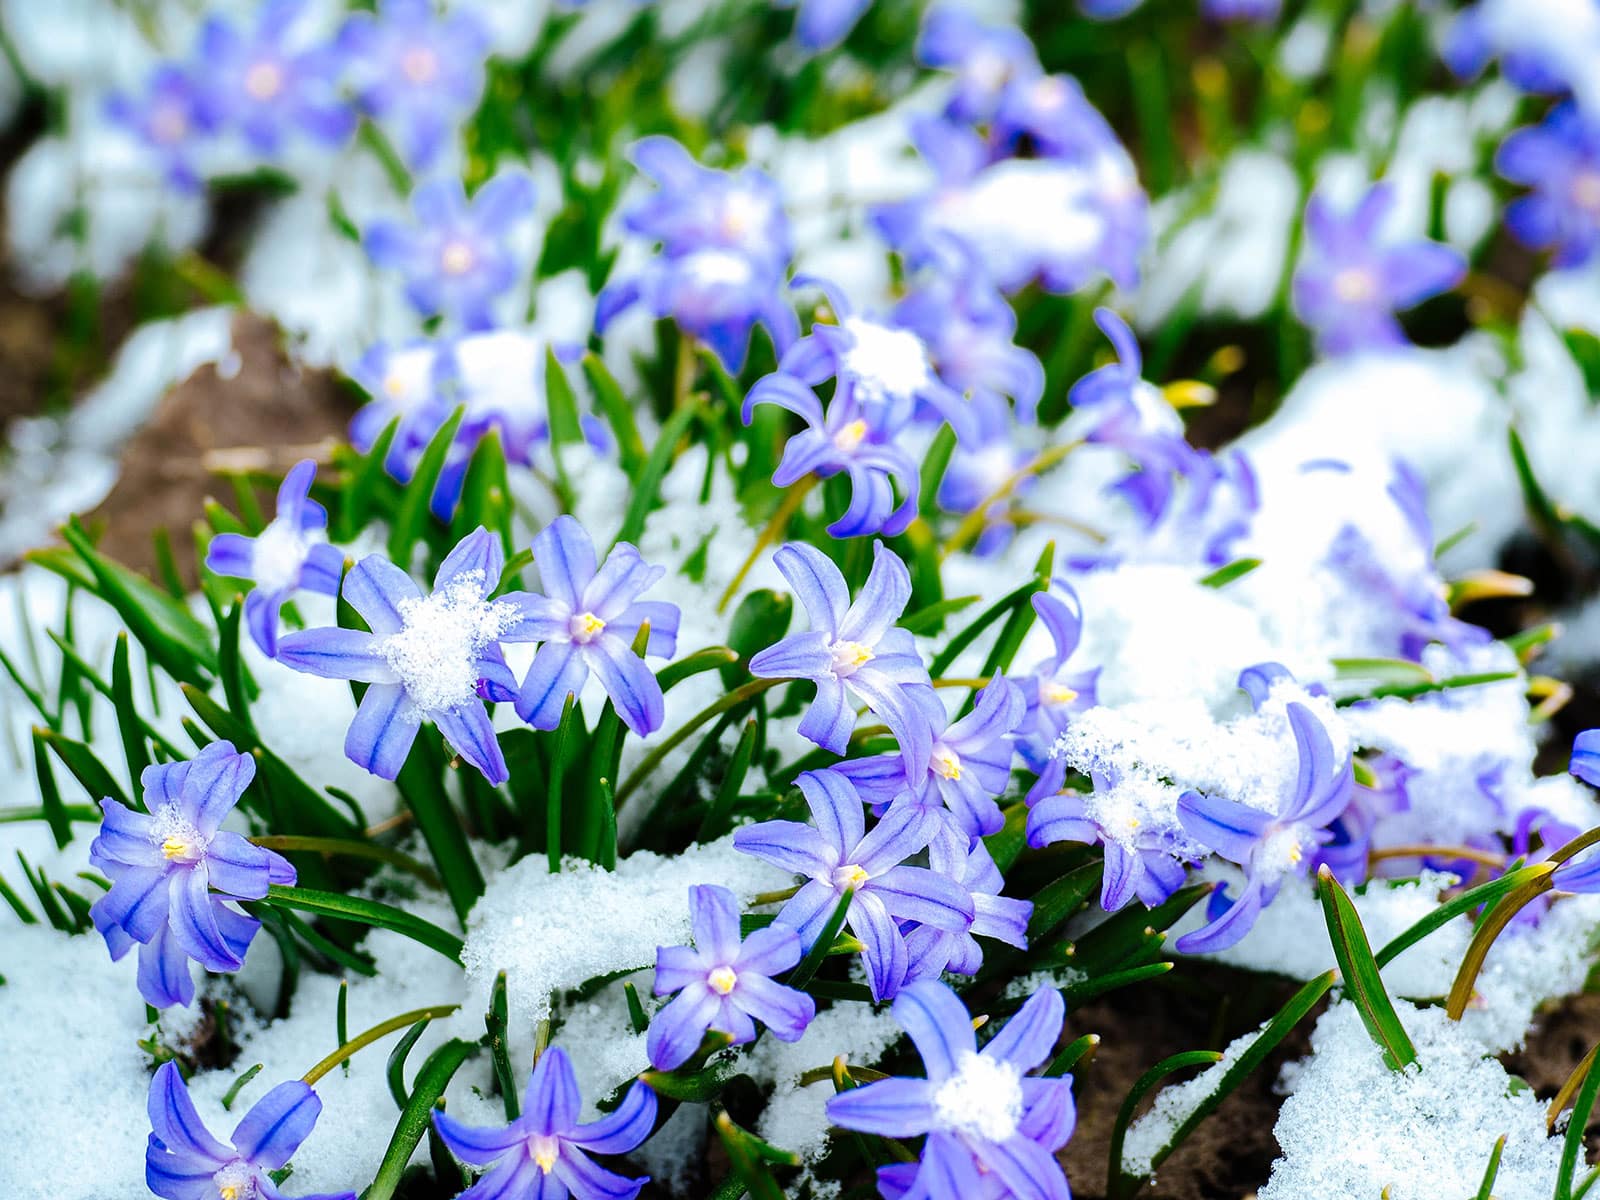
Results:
<point x="477" y="556"/>
<point x="918" y="894"/>
<point x="590" y="1181"/>
<point x="551" y="1102"/>
<point x="333" y="653"/>
<point x="374" y="587"/>
<point x="938" y="1024"/>
<point x="881" y="600"/>
<point x="817" y="582"/>
<point x="830" y="718"/>
<point x="1031" y="1034"/>
<point x="788" y="845"/>
<point x="564" y="555"/>
<point x="164" y="978"/>
<point x="1229" y="828"/>
<point x="1027" y="1169"/>
<point x="885" y="954"/>
<point x="237" y="867"/>
<point x="797" y="656"/>
<point x="624" y="1128"/>
<point x="888" y="1107"/>
<point x="231" y="554"/>
<point x="217" y="778"/>
<point x="558" y="671"/>
<point x="384" y="727"/>
<point x="471" y="732"/>
<point x="475" y="1144"/>
<point x="783" y="1010"/>
<point x="629" y="682"/>
<point x="835" y="808"/>
<point x="177" y="1124"/>
<point x="676" y="1031"/>
<point x="714" y="915"/>
<point x="276" y="1124"/>
<point x="196" y="926"/>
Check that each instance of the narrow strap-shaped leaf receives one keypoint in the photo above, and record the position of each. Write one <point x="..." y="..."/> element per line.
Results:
<point x="497" y="1022"/>
<point x="648" y="479"/>
<point x="823" y="946"/>
<point x="485" y="493"/>
<point x="395" y="1069"/>
<point x="1120" y="1183"/>
<point x="1486" y="1188"/>
<point x="1535" y="883"/>
<point x="712" y="658"/>
<point x="235" y="682"/>
<point x="1572" y="1143"/>
<point x="715" y="822"/>
<point x="1075" y="1052"/>
<point x="51" y="806"/>
<point x="128" y="725"/>
<point x="618" y="413"/>
<point x="362" y="482"/>
<point x="1362" y="981"/>
<point x="415" y="1118"/>
<point x="974" y="629"/>
<point x="422" y="788"/>
<point x="566" y="748"/>
<point x="1078" y="994"/>
<point x="412" y="518"/>
<point x="1466" y="902"/>
<point x="367" y="912"/>
<point x="930" y="618"/>
<point x="237" y="1086"/>
<point x="758" y="1180"/>
<point x="85" y="767"/>
<point x="1224" y="575"/>
<point x="560" y="401"/>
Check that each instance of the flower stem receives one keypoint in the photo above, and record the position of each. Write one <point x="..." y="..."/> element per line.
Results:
<point x="972" y="524"/>
<point x="1486" y="857"/>
<point x="792" y="500"/>
<point x="382" y="1029"/>
<point x="651" y="761"/>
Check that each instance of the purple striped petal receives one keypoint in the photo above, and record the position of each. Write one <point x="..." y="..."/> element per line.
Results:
<point x="618" y="583"/>
<point x="384" y="727"/>
<point x="333" y="653"/>
<point x="176" y="1178"/>
<point x="590" y="1181"/>
<point x="624" y="1128"/>
<point x="783" y="1010"/>
<point x="881" y="600"/>
<point x="137" y="902"/>
<point x="1026" y="1168"/>
<point x="830" y="718"/>
<point x="539" y="618"/>
<point x="558" y="671"/>
<point x="677" y="967"/>
<point x="175" y="1121"/>
<point x="374" y="587"/>
<point x="714" y="916"/>
<point x="885" y="954"/>
<point x="125" y="837"/>
<point x="789" y="846"/>
<point x="809" y="910"/>
<point x="164" y="978"/>
<point x="196" y="927"/>
<point x="276" y="1124"/>
<point x="835" y="809"/>
<point x="769" y="951"/>
<point x="1228" y="929"/>
<point x="478" y="556"/>
<point x="472" y="1143"/>
<point x="918" y="894"/>
<point x="217" y="778"/>
<point x="261" y="612"/>
<point x="515" y="1177"/>
<point x="1229" y="828"/>
<point x="1586" y="756"/>
<point x="938" y="1025"/>
<point x="471" y="732"/>
<point x="551" y="1102"/>
<point x="565" y="557"/>
<point x="322" y="568"/>
<point x="231" y="554"/>
<point x="238" y="868"/>
<point x="676" y="1031"/>
<point x="1050" y="1112"/>
<point x="889" y="1107"/>
<point x="797" y="656"/>
<point x="629" y="682"/>
<point x="1030" y="1036"/>
<point x="664" y="619"/>
<point x="817" y="582"/>
<point x="900" y="833"/>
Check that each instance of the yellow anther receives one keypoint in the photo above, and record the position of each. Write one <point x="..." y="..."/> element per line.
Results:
<point x="1295" y="854"/>
<point x="1189" y="393"/>
<point x="229" y="1192"/>
<point x="1057" y="693"/>
<point x="722" y="980"/>
<point x="263" y="80"/>
<point x="851" y="436"/>
<point x="946" y="763"/>
<point x="847" y="656"/>
<point x="586" y="627"/>
<point x="544" y="1151"/>
<point x="174" y="847"/>
<point x="850" y="877"/>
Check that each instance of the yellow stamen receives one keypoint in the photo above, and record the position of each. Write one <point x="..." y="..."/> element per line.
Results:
<point x="847" y="656"/>
<point x="1057" y="693"/>
<point x="544" y="1151"/>
<point x="722" y="980"/>
<point x="586" y="626"/>
<point x="946" y="764"/>
<point x="230" y="1192"/>
<point x="174" y="847"/>
<point x="850" y="877"/>
<point x="851" y="436"/>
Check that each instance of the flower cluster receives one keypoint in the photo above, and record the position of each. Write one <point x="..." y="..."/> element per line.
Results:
<point x="438" y="657"/>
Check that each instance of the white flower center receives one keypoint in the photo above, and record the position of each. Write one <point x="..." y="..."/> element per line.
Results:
<point x="1281" y="852"/>
<point x="544" y="1151"/>
<point x="585" y="627"/>
<point x="742" y="212"/>
<point x="457" y="257"/>
<point x="168" y="124"/>
<point x="849" y="876"/>
<point x="277" y="556"/>
<point x="1586" y="190"/>
<point x="946" y="762"/>
<point x="419" y="65"/>
<point x="982" y="1100"/>
<point x="851" y="436"/>
<point x="179" y="840"/>
<point x="888" y="364"/>
<point x="436" y="651"/>
<point x="849" y="657"/>
<point x="236" y="1181"/>
<point x="717" y="268"/>
<point x="722" y="980"/>
<point x="1355" y="285"/>
<point x="263" y="80"/>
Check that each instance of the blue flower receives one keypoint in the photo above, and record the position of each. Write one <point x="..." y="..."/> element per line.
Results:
<point x="587" y="621"/>
<point x="1585" y="763"/>
<point x="1560" y="161"/>
<point x="1054" y="694"/>
<point x="1258" y="11"/>
<point x="823" y="24"/>
<point x="725" y="248"/>
<point x="984" y="1117"/>
<point x="432" y="657"/>
<point x="290" y="554"/>
<point x="1269" y="846"/>
<point x="837" y="855"/>
<point x="269" y="86"/>
<point x="985" y="59"/>
<point x="1350" y="282"/>
<point x="981" y="467"/>
<point x="934" y="951"/>
<point x="852" y="648"/>
<point x="1059" y="219"/>
<point x="401" y="382"/>
<point x="417" y="72"/>
<point x="173" y="868"/>
<point x="455" y="257"/>
<point x="968" y="765"/>
<point x="171" y="118"/>
<point x="185" y="1162"/>
<point x="724" y="984"/>
<point x="544" y="1153"/>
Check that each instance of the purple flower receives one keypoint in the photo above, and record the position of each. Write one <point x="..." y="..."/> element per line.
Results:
<point x="544" y="1153"/>
<point x="1418" y="610"/>
<point x="1560" y="161"/>
<point x="969" y="764"/>
<point x="417" y="72"/>
<point x="1259" y="11"/>
<point x="967" y="327"/>
<point x="725" y="984"/>
<point x="1350" y="283"/>
<point x="985" y="58"/>
<point x="587" y="621"/>
<point x="172" y="869"/>
<point x="984" y="1118"/>
<point x="1054" y="694"/>
<point x="402" y="382"/>
<point x="455" y="258"/>
<point x="1060" y="221"/>
<point x="1141" y="858"/>
<point x="934" y="951"/>
<point x="1107" y="10"/>
<point x="1585" y="762"/>
<point x="981" y="467"/>
<point x="291" y="553"/>
<point x="823" y="24"/>
<point x="852" y="648"/>
<point x="838" y="856"/>
<point x="169" y="118"/>
<point x="268" y="85"/>
<point x="725" y="248"/>
<point x="1547" y="56"/>
<point x="432" y="657"/>
<point x="185" y="1162"/>
<point x="1268" y="846"/>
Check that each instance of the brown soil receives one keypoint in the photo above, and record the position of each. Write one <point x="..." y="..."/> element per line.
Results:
<point x="259" y="419"/>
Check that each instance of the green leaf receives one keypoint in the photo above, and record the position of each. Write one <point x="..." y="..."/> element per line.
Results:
<point x="416" y="1117"/>
<point x="363" y="481"/>
<point x="1002" y="607"/>
<point x="1121" y="1184"/>
<point x="85" y="767"/>
<point x="715" y="823"/>
<point x="1486" y="1188"/>
<point x="128" y="725"/>
<point x="1362" y="982"/>
<point x="565" y="428"/>
<point x="367" y="912"/>
<point x="930" y="619"/>
<point x="712" y="658"/>
<point x="758" y="1180"/>
<point x="566" y="749"/>
<point x="233" y="1091"/>
<point x="1223" y="576"/>
<point x="1071" y="1056"/>
<point x="648" y="480"/>
<point x="762" y="618"/>
<point x="1585" y="350"/>
<point x="421" y="786"/>
<point x="1572" y="1151"/>
<point x="618" y="412"/>
<point x="413" y="517"/>
<point x="55" y="812"/>
<point x="497" y="1020"/>
<point x="485" y="493"/>
<point x="231" y="668"/>
<point x="1383" y="670"/>
<point x="933" y="469"/>
<point x="395" y="1069"/>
